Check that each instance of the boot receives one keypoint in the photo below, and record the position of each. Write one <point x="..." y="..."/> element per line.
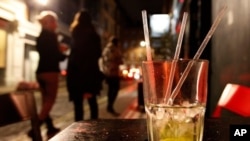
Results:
<point x="30" y="132"/>
<point x="52" y="130"/>
<point x="113" y="112"/>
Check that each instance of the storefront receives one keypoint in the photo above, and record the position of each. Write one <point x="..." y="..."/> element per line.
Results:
<point x="18" y="57"/>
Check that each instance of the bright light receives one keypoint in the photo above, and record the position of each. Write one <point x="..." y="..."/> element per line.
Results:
<point x="159" y="24"/>
<point x="137" y="76"/>
<point x="130" y="74"/>
<point x="125" y="72"/>
<point x="63" y="72"/>
<point x="142" y="43"/>
<point x="43" y="2"/>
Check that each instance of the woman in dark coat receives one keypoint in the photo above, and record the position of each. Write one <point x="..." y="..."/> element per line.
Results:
<point x="84" y="80"/>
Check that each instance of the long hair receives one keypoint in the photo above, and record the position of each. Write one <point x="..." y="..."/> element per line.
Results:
<point x="82" y="20"/>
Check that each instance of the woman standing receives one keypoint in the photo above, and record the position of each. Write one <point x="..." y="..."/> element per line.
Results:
<point x="48" y="70"/>
<point x="112" y="59"/>
<point x="84" y="80"/>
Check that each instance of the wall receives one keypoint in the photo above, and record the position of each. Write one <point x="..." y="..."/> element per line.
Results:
<point x="17" y="31"/>
<point x="230" y="62"/>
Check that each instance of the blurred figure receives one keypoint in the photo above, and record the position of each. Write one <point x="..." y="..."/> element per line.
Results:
<point x="84" y="79"/>
<point x="111" y="59"/>
<point x="140" y="99"/>
<point x="48" y="70"/>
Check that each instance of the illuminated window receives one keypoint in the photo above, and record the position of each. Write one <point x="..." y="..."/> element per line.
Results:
<point x="159" y="24"/>
<point x="2" y="48"/>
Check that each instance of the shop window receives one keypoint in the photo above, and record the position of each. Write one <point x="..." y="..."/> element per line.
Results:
<point x="2" y="48"/>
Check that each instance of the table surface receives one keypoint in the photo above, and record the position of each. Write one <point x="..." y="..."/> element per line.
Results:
<point x="216" y="129"/>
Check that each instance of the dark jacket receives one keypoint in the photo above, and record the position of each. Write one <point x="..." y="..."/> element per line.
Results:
<point x="49" y="53"/>
<point x="83" y="74"/>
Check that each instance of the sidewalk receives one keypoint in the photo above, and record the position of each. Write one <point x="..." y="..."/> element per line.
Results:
<point x="5" y="89"/>
<point x="62" y="112"/>
<point x="12" y="87"/>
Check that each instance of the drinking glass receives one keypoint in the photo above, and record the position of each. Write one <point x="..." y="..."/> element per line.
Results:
<point x="175" y="95"/>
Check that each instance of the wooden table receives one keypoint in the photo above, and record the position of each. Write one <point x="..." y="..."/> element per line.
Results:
<point x="136" y="130"/>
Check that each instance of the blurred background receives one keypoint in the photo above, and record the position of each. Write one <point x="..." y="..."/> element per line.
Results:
<point x="228" y="50"/>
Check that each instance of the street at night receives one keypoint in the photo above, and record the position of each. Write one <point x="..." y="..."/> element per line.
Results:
<point x="85" y="42"/>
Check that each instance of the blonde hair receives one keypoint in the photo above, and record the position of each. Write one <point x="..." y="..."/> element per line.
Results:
<point x="48" y="20"/>
<point x="47" y="15"/>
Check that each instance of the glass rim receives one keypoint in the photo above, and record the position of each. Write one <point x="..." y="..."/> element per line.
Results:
<point x="178" y="60"/>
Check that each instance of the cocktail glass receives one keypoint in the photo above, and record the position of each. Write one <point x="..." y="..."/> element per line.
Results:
<point x="175" y="103"/>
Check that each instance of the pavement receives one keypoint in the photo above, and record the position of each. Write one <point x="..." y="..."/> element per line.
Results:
<point x="62" y="112"/>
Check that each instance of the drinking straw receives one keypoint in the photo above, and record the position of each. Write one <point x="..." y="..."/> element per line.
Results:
<point x="198" y="53"/>
<point x="180" y="38"/>
<point x="146" y="35"/>
<point x="148" y="52"/>
<point x="177" y="54"/>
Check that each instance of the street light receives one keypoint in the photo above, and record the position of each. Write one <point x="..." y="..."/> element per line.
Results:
<point x="142" y="43"/>
<point x="42" y="2"/>
<point x="159" y="24"/>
